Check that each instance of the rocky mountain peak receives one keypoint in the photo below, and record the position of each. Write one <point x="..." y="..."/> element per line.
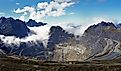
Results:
<point x="33" y="23"/>
<point x="58" y="35"/>
<point x="12" y="27"/>
<point x="2" y="19"/>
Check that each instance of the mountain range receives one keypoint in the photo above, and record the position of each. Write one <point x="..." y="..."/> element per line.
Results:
<point x="99" y="42"/>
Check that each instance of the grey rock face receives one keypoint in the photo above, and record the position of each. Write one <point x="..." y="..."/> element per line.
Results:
<point x="104" y="41"/>
<point x="100" y="42"/>
<point x="11" y="27"/>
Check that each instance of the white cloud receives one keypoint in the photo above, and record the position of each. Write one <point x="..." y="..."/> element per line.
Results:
<point x="41" y="34"/>
<point x="22" y="18"/>
<point x="42" y="5"/>
<point x="71" y="13"/>
<point x="25" y="9"/>
<point x="62" y="0"/>
<point x="2" y="13"/>
<point x="102" y="18"/>
<point x="36" y="16"/>
<point x="17" y="3"/>
<point x="96" y="20"/>
<point x="43" y="9"/>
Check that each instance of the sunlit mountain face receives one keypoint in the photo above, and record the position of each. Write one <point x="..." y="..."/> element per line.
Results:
<point x="61" y="30"/>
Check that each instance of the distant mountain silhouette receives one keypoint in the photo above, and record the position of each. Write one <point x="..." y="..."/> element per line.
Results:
<point x="33" y="23"/>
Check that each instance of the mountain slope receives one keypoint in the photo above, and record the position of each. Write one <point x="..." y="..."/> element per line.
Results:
<point x="33" y="23"/>
<point x="11" y="27"/>
<point x="98" y="42"/>
<point x="58" y="35"/>
<point x="104" y="41"/>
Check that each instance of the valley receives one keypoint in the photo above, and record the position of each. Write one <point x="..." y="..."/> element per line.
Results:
<point x="13" y="64"/>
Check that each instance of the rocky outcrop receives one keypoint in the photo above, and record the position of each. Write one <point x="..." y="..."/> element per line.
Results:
<point x="104" y="41"/>
<point x="57" y="35"/>
<point x="99" y="42"/>
<point x="104" y="30"/>
<point x="71" y="51"/>
<point x="18" y="29"/>
<point x="29" y="49"/>
<point x="11" y="27"/>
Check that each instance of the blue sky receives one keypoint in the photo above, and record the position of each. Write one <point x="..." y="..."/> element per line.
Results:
<point x="81" y="11"/>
